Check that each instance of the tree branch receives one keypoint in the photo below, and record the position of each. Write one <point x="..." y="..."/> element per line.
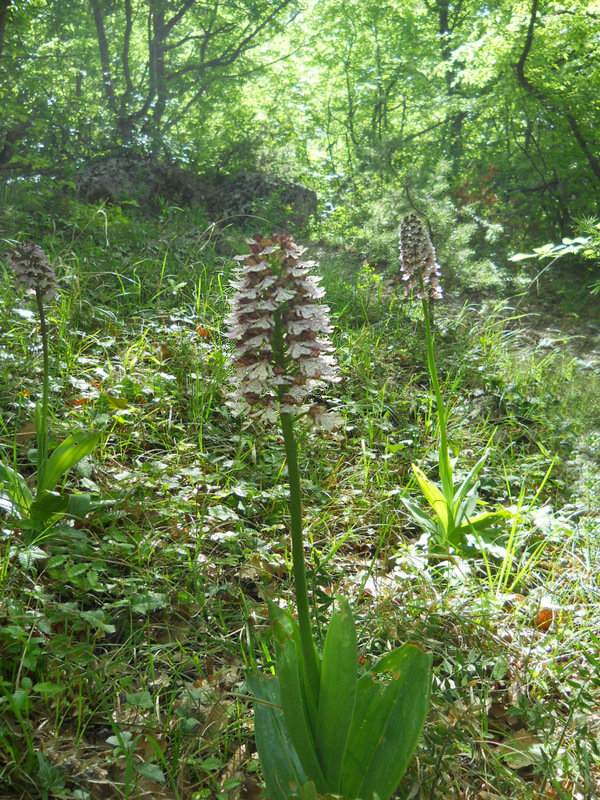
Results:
<point x="125" y="52"/>
<point x="520" y="65"/>
<point x="539" y="95"/>
<point x="581" y="141"/>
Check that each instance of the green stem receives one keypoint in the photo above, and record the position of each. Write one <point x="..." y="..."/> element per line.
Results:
<point x="42" y="416"/>
<point x="444" y="455"/>
<point x="308" y="647"/>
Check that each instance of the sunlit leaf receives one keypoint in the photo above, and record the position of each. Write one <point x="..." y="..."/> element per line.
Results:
<point x="435" y="498"/>
<point x="66" y="455"/>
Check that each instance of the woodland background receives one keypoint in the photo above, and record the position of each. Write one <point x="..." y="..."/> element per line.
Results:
<point x="485" y="112"/>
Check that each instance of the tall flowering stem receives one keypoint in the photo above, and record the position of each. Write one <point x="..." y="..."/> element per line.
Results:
<point x="421" y="275"/>
<point x="42" y="444"/>
<point x="300" y="585"/>
<point x="34" y="273"/>
<point x="318" y="728"/>
<point x="281" y="352"/>
<point x="444" y="453"/>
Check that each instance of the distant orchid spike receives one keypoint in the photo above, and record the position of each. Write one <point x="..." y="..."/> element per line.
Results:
<point x="418" y="262"/>
<point x="280" y="332"/>
<point x="32" y="269"/>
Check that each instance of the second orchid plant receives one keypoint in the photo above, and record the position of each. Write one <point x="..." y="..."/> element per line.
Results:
<point x="38" y="511"/>
<point x="321" y="729"/>
<point x="453" y="504"/>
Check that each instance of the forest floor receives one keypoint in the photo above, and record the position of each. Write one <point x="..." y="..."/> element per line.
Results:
<point x="125" y="637"/>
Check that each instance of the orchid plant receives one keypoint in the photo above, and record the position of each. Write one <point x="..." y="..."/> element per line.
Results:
<point x="453" y="504"/>
<point x="37" y="510"/>
<point x="320" y="728"/>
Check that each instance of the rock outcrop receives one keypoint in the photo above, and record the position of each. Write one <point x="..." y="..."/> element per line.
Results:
<point x="129" y="177"/>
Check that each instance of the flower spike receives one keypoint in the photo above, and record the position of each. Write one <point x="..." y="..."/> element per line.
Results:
<point x="280" y="332"/>
<point x="32" y="269"/>
<point x="418" y="263"/>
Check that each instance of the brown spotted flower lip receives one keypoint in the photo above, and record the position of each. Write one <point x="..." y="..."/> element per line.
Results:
<point x="279" y="331"/>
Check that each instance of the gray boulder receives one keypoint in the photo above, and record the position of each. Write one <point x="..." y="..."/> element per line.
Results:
<point x="129" y="177"/>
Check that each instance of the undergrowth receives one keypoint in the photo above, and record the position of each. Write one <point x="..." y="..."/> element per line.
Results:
<point x="124" y="637"/>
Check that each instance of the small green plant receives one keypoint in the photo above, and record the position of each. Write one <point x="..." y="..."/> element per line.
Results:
<point x="453" y="504"/>
<point x="587" y="245"/>
<point x="320" y="728"/>
<point x="36" y="511"/>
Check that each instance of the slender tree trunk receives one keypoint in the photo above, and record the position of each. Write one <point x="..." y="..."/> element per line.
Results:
<point x="539" y="95"/>
<point x="584" y="145"/>
<point x="109" y="92"/>
<point x="4" y="12"/>
<point x="158" y="22"/>
<point x="453" y="89"/>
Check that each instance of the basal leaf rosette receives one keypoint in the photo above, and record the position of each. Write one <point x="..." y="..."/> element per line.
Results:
<point x="280" y="332"/>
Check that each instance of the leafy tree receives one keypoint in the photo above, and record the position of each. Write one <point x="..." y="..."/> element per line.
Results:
<point x="146" y="75"/>
<point x="382" y="95"/>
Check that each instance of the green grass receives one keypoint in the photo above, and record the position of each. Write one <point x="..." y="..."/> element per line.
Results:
<point x="124" y="638"/>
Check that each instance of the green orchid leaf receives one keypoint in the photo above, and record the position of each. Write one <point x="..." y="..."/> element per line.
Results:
<point x="470" y="481"/>
<point x="434" y="497"/>
<point x="420" y="517"/>
<point x="466" y="508"/>
<point x="483" y="523"/>
<point x="285" y="627"/>
<point x="282" y="771"/>
<point x="489" y="518"/>
<point x="294" y="693"/>
<point x="309" y="792"/>
<point x="79" y="505"/>
<point x="66" y="455"/>
<point x="48" y="504"/>
<point x="339" y="676"/>
<point x="446" y="468"/>
<point x="15" y="489"/>
<point x="391" y="707"/>
<point x="295" y="712"/>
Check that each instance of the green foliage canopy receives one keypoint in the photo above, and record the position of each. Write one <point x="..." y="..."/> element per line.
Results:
<point x="500" y="99"/>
